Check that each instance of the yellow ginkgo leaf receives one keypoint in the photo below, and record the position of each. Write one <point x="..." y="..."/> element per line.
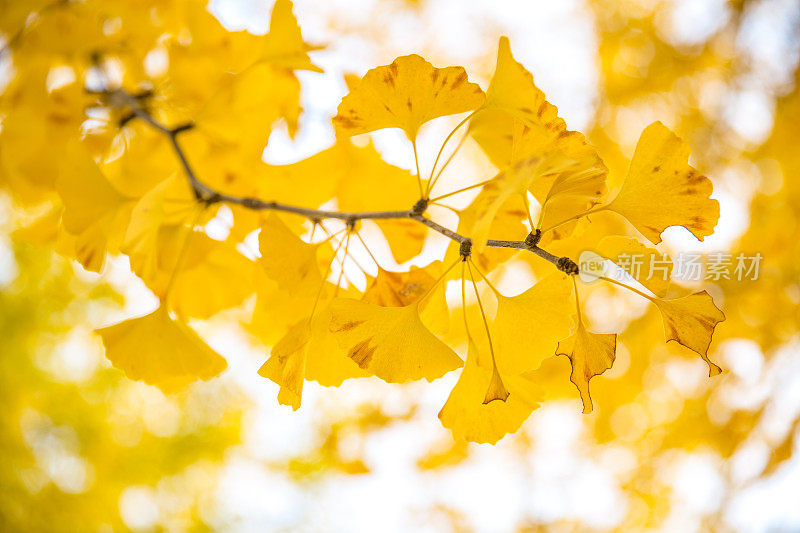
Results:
<point x="87" y="195"/>
<point x="159" y="224"/>
<point x="309" y="182"/>
<point x="571" y="176"/>
<point x="327" y="363"/>
<point x="287" y="259"/>
<point x="276" y="310"/>
<point x="390" y="342"/>
<point x="308" y="351"/>
<point x="468" y="414"/>
<point x="512" y="89"/>
<point x="160" y="351"/>
<point x="399" y="289"/>
<point x="567" y="191"/>
<point x="690" y="321"/>
<point x="517" y="123"/>
<point x="283" y="46"/>
<point x="662" y="190"/>
<point x="646" y="265"/>
<point x="286" y="364"/>
<point x="226" y="277"/>
<point x="146" y="158"/>
<point x="95" y="213"/>
<point x="242" y="111"/>
<point x="37" y="124"/>
<point x="591" y="354"/>
<point x="530" y="325"/>
<point x="406" y="94"/>
<point x="406" y="238"/>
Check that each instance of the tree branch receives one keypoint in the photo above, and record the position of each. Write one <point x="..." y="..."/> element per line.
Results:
<point x="122" y="99"/>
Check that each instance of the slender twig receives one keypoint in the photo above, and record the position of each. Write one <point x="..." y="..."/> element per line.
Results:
<point x="122" y="99"/>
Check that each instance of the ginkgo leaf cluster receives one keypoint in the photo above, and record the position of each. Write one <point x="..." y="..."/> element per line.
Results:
<point x="117" y="157"/>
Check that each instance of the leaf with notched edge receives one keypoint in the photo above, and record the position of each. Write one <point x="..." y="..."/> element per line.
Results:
<point x="662" y="190"/>
<point x="390" y="342"/>
<point x="590" y="354"/>
<point x="690" y="321"/>
<point x="406" y="94"/>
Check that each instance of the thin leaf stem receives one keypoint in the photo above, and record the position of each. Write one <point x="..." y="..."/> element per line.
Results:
<point x="577" y="299"/>
<point x="433" y="179"/>
<point x="576" y="217"/>
<point x="615" y="282"/>
<point x="463" y="189"/>
<point x="324" y="279"/>
<point x="485" y="278"/>
<point x="483" y="314"/>
<point x="438" y="281"/>
<point x="364" y="244"/>
<point x="416" y="162"/>
<point x="344" y="258"/>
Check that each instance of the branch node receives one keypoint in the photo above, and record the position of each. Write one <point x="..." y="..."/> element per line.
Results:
<point x="567" y="265"/>
<point x="143" y="95"/>
<point x="251" y="203"/>
<point x="419" y="208"/>
<point x="351" y="223"/>
<point x="210" y="198"/>
<point x="123" y="121"/>
<point x="465" y="249"/>
<point x="533" y="238"/>
<point x="181" y="128"/>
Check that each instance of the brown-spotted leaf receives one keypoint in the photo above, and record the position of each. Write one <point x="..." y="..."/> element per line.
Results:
<point x="406" y="94"/>
<point x="662" y="190"/>
<point x="390" y="342"/>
